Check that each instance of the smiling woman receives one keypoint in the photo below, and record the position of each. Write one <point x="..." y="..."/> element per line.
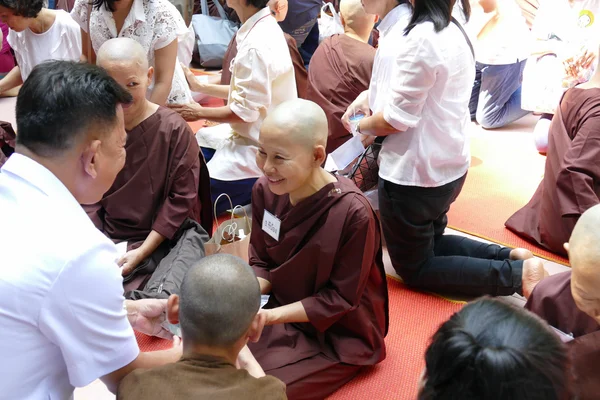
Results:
<point x="316" y="248"/>
<point x="34" y="34"/>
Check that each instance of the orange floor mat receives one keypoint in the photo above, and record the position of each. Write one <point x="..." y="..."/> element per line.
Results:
<point x="505" y="172"/>
<point x="414" y="317"/>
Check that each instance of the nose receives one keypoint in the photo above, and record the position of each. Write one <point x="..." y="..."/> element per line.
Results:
<point x="269" y="167"/>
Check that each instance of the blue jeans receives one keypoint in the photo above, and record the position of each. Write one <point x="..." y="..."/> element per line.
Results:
<point x="240" y="191"/>
<point x="496" y="96"/>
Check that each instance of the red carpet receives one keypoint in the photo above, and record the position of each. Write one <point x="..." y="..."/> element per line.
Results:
<point x="414" y="318"/>
<point x="505" y="172"/>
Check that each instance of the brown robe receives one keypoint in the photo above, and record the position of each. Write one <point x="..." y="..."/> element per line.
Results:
<point x="299" y="70"/>
<point x="7" y="141"/>
<point x="571" y="181"/>
<point x="158" y="188"/>
<point x="552" y="300"/>
<point x="339" y="71"/>
<point x="329" y="257"/>
<point x="201" y="377"/>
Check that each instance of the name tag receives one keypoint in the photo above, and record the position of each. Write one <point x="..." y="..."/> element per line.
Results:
<point x="271" y="225"/>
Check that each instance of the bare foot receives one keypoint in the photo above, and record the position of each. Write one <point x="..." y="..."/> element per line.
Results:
<point x="520" y="254"/>
<point x="533" y="273"/>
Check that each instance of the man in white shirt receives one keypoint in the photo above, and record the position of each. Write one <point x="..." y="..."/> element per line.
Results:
<point x="64" y="319"/>
<point x="262" y="78"/>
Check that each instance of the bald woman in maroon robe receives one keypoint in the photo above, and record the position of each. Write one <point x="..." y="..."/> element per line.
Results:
<point x="341" y="69"/>
<point x="316" y="249"/>
<point x="572" y="174"/>
<point x="570" y="302"/>
<point x="155" y="197"/>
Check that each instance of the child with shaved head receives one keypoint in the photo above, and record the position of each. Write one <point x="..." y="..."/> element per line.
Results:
<point x="157" y="198"/>
<point x="570" y="301"/>
<point x="316" y="248"/>
<point x="217" y="311"/>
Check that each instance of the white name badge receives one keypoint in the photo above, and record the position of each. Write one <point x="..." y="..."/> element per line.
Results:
<point x="271" y="225"/>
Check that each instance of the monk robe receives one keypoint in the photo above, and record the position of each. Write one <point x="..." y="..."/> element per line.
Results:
<point x="200" y="377"/>
<point x="572" y="174"/>
<point x="163" y="184"/>
<point x="552" y="300"/>
<point x="339" y="71"/>
<point x="299" y="69"/>
<point x="329" y="257"/>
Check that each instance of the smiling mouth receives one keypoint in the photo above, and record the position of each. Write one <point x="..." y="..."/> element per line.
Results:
<point x="273" y="180"/>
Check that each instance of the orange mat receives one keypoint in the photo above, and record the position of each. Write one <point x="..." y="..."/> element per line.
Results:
<point x="414" y="317"/>
<point x="505" y="172"/>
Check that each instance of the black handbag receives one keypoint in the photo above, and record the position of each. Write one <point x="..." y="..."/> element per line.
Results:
<point x="365" y="172"/>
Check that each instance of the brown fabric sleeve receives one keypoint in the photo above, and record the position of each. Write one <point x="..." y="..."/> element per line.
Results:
<point x="182" y="184"/>
<point x="576" y="182"/>
<point x="350" y="273"/>
<point x="300" y="72"/>
<point x="257" y="253"/>
<point x="96" y="214"/>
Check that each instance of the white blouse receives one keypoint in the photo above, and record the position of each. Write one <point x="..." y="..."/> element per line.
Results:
<point x="424" y="93"/>
<point x="152" y="23"/>
<point x="61" y="42"/>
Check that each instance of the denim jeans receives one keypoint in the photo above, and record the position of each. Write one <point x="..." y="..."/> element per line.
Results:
<point x="496" y="96"/>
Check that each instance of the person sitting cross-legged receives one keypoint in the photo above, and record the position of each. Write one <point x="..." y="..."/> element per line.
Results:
<point x="162" y="191"/>
<point x="217" y="311"/>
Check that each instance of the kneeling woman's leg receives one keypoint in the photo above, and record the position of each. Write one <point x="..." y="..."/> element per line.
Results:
<point x="314" y="378"/>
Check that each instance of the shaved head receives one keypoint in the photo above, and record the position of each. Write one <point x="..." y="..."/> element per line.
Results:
<point x="123" y="51"/>
<point x="220" y="296"/>
<point x="355" y="17"/>
<point x="302" y="121"/>
<point x="584" y="255"/>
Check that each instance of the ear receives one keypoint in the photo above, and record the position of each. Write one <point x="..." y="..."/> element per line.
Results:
<point x="173" y="309"/>
<point x="150" y="74"/>
<point x="566" y="246"/>
<point x="320" y="154"/>
<point x="89" y="158"/>
<point x="256" y="326"/>
<point x="376" y="19"/>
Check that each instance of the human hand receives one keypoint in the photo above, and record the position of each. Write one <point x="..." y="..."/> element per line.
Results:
<point x="129" y="261"/>
<point x="177" y="349"/>
<point x="279" y="9"/>
<point x="576" y="66"/>
<point x="147" y="316"/>
<point x="358" y="106"/>
<point x="192" y="81"/>
<point x="189" y="112"/>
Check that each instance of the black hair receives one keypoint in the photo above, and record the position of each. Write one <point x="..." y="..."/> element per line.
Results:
<point x="109" y="4"/>
<point x="438" y="12"/>
<point x="24" y="8"/>
<point x="62" y="100"/>
<point x="492" y="350"/>
<point x="260" y="4"/>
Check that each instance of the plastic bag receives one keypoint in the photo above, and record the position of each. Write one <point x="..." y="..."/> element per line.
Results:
<point x="329" y="25"/>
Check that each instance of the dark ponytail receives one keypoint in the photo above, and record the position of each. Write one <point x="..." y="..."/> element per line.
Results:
<point x="494" y="351"/>
<point x="438" y="12"/>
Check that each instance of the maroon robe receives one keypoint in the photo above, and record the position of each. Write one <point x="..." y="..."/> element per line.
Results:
<point x="7" y="141"/>
<point x="198" y="377"/>
<point x="158" y="188"/>
<point x="329" y="257"/>
<point x="299" y="70"/>
<point x="571" y="181"/>
<point x="339" y="71"/>
<point x="552" y="300"/>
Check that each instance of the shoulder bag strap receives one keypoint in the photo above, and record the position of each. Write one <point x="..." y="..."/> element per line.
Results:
<point x="455" y="22"/>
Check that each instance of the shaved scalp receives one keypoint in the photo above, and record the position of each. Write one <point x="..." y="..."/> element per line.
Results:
<point x="304" y="121"/>
<point x="584" y="244"/>
<point x="355" y="16"/>
<point x="219" y="299"/>
<point x="123" y="50"/>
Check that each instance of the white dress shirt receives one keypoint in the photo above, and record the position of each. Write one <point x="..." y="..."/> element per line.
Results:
<point x="152" y="23"/>
<point x="61" y="294"/>
<point x="61" y="42"/>
<point x="262" y="78"/>
<point x="422" y="84"/>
